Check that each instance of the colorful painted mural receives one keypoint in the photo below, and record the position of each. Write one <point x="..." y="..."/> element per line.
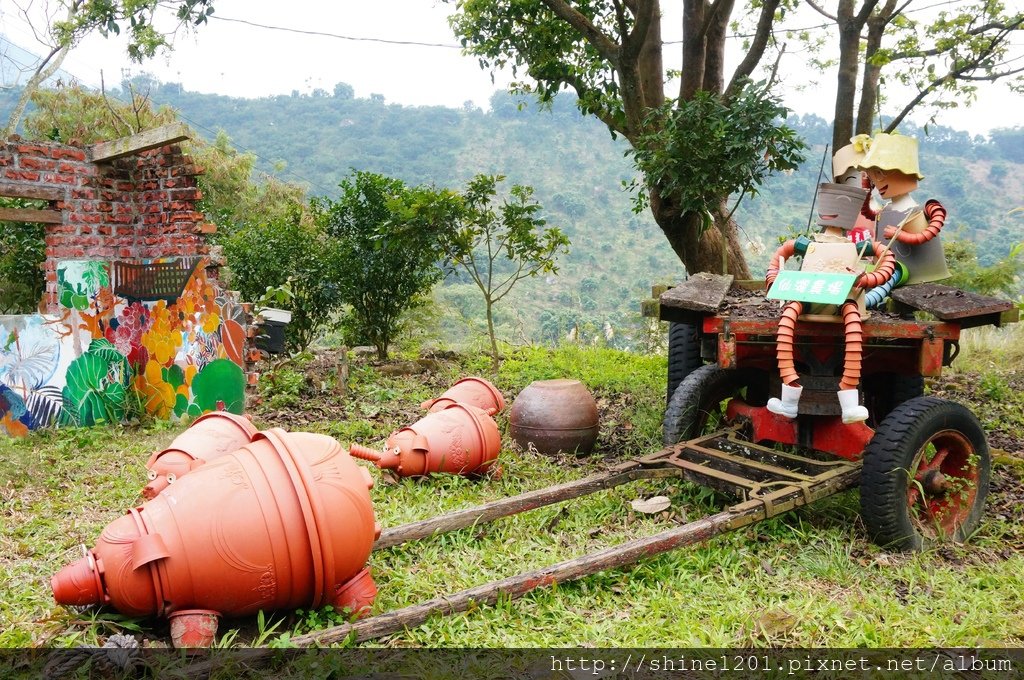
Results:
<point x="107" y="354"/>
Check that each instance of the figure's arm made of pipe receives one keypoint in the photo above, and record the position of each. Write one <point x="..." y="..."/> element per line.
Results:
<point x="936" y="216"/>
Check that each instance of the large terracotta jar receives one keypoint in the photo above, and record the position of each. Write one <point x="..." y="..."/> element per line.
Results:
<point x="286" y="521"/>
<point x="555" y="416"/>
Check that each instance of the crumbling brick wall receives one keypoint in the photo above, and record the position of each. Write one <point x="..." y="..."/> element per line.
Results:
<point x="135" y="208"/>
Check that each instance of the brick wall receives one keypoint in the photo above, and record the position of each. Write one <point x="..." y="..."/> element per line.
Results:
<point x="134" y="208"/>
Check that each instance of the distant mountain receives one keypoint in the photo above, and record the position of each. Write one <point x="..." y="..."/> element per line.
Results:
<point x="578" y="172"/>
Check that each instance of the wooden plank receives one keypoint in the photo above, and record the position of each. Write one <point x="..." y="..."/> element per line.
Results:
<point x="701" y="292"/>
<point x="621" y="555"/>
<point x="948" y="304"/>
<point x="26" y="215"/>
<point x="143" y="141"/>
<point x="514" y="505"/>
<point x="11" y="190"/>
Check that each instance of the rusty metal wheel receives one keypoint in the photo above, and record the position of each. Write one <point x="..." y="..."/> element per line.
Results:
<point x="926" y="475"/>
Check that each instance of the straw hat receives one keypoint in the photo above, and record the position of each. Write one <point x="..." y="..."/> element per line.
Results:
<point x="893" y="152"/>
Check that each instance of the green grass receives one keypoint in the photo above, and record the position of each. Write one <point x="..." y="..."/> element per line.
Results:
<point x="808" y="578"/>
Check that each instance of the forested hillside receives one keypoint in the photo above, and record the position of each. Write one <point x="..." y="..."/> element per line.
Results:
<point x="578" y="172"/>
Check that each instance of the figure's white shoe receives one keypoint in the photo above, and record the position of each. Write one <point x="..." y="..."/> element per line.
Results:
<point x="787" y="406"/>
<point x="853" y="412"/>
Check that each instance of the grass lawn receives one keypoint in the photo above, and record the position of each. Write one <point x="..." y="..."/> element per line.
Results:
<point x="808" y="578"/>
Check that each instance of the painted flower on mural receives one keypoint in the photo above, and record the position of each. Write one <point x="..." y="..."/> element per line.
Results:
<point x="163" y="337"/>
<point x="163" y="389"/>
<point x="125" y="333"/>
<point x="97" y="386"/>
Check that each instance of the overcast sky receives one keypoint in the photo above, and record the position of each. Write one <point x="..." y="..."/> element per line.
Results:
<point x="239" y="59"/>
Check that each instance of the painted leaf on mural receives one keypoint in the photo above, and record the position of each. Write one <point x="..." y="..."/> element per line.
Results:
<point x="79" y="280"/>
<point x="232" y="336"/>
<point x="221" y="384"/>
<point x="45" y="404"/>
<point x="97" y="386"/>
<point x="30" y="365"/>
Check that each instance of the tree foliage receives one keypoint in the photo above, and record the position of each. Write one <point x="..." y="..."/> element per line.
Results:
<point x="22" y="251"/>
<point x="939" y="57"/>
<point x="702" y="149"/>
<point x="498" y="246"/>
<point x="386" y="248"/>
<point x="610" y="53"/>
<point x="290" y="253"/>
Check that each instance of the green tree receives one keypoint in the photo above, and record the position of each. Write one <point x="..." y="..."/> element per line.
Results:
<point x="941" y="58"/>
<point x="1000" y="278"/>
<point x="291" y="253"/>
<point x="498" y="246"/>
<point x="22" y="252"/>
<point x="385" y="238"/>
<point x="610" y="53"/>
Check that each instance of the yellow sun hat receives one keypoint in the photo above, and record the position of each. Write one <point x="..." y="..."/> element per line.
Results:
<point x="893" y="152"/>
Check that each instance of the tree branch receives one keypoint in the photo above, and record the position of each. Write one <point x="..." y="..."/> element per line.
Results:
<point x="604" y="45"/>
<point x="1004" y="30"/>
<point x="821" y="11"/>
<point x="865" y="11"/>
<point x="757" y="46"/>
<point x="633" y="42"/>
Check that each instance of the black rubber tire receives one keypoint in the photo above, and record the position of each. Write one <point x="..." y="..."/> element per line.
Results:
<point x="683" y="353"/>
<point x="885" y="391"/>
<point x="697" y="399"/>
<point x="896" y="449"/>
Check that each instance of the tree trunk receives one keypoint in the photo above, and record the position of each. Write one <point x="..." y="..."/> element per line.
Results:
<point x="846" y="81"/>
<point x="716" y="249"/>
<point x="877" y="23"/>
<point x="495" y="362"/>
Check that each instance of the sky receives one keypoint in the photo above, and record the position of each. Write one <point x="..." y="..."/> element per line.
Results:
<point x="245" y="60"/>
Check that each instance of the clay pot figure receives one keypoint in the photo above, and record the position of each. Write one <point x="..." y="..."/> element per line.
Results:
<point x="286" y="521"/>
<point x="554" y="416"/>
<point x="471" y="390"/>
<point x="211" y="436"/>
<point x="459" y="439"/>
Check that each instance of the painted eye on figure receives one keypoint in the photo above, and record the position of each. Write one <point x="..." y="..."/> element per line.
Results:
<point x="151" y="475"/>
<point x="171" y="477"/>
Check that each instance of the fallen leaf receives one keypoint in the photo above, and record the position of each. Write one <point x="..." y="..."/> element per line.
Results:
<point x="651" y="506"/>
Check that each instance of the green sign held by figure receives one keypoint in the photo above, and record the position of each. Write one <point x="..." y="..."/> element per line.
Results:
<point x="823" y="287"/>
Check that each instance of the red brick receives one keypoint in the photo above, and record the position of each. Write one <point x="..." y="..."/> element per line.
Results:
<point x="66" y="153"/>
<point x="37" y="163"/>
<point x="22" y="175"/>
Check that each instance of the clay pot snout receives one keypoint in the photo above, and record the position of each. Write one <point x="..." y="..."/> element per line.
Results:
<point x="460" y="439"/>
<point x="209" y="437"/>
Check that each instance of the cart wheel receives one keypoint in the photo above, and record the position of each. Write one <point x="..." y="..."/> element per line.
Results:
<point x="698" y="403"/>
<point x="885" y="391"/>
<point x="683" y="353"/>
<point x="926" y="475"/>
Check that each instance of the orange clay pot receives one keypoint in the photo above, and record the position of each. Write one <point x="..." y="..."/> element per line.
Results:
<point x="284" y="522"/>
<point x="473" y="391"/>
<point x="211" y="436"/>
<point x="459" y="439"/>
<point x="555" y="416"/>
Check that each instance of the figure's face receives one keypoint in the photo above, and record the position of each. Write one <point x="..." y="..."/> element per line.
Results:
<point x="851" y="177"/>
<point x="839" y="205"/>
<point x="891" y="184"/>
